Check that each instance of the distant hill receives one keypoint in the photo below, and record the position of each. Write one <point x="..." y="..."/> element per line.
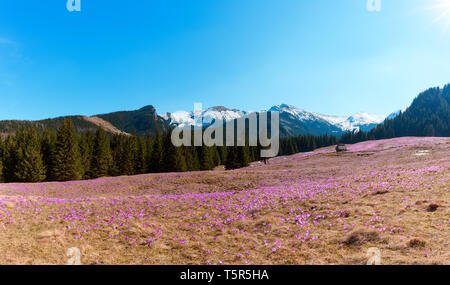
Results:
<point x="80" y="123"/>
<point x="143" y="122"/>
<point x="428" y="115"/>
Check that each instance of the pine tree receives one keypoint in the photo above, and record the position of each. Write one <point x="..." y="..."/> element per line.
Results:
<point x="140" y="156"/>
<point x="101" y="155"/>
<point x="29" y="164"/>
<point x="429" y="131"/>
<point x="9" y="159"/>
<point x="231" y="162"/>
<point x="223" y="154"/>
<point x="67" y="154"/>
<point x="191" y="158"/>
<point x="87" y="142"/>
<point x="148" y="154"/>
<point x="242" y="156"/>
<point x="173" y="159"/>
<point x="127" y="151"/>
<point x="114" y="170"/>
<point x="216" y="156"/>
<point x="1" y="158"/>
<point x="155" y="162"/>
<point x="48" y="141"/>
<point x="206" y="158"/>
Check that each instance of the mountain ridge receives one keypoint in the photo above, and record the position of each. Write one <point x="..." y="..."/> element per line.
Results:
<point x="294" y="121"/>
<point x="428" y="110"/>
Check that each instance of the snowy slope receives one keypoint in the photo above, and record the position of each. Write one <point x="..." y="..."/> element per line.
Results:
<point x="293" y="120"/>
<point x="205" y="118"/>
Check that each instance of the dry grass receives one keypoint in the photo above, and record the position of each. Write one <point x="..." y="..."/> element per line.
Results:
<point x="417" y="243"/>
<point x="321" y="209"/>
<point x="362" y="236"/>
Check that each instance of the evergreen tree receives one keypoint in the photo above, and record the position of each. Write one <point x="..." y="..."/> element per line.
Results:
<point x="223" y="154"/>
<point x="216" y="156"/>
<point x="231" y="161"/>
<point x="127" y="152"/>
<point x="1" y="158"/>
<point x="87" y="142"/>
<point x="67" y="154"/>
<point x="48" y="142"/>
<point x="140" y="156"/>
<point x="191" y="158"/>
<point x="155" y="162"/>
<point x="429" y="131"/>
<point x="243" y="158"/>
<point x="172" y="157"/>
<point x="9" y="159"/>
<point x="101" y="156"/>
<point x="114" y="170"/>
<point x="148" y="154"/>
<point x="29" y="164"/>
<point x="206" y="158"/>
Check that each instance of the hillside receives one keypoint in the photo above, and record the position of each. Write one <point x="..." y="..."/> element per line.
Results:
<point x="144" y="121"/>
<point x="80" y="123"/>
<point x="428" y="115"/>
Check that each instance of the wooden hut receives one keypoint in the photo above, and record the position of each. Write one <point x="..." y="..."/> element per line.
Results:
<point x="341" y="147"/>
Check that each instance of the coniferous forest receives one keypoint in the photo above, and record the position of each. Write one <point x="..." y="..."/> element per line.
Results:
<point x="428" y="116"/>
<point x="33" y="155"/>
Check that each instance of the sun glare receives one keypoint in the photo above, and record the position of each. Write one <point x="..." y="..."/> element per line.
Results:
<point x="443" y="9"/>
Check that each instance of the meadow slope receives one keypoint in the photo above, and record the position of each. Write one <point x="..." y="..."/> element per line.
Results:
<point x="312" y="208"/>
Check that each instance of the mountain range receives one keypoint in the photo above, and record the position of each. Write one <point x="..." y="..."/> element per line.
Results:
<point x="429" y="110"/>
<point x="145" y="121"/>
<point x="293" y="121"/>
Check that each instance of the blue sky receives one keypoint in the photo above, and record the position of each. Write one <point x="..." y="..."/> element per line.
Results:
<point x="332" y="57"/>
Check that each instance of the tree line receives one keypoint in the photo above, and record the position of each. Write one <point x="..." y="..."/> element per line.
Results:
<point x="32" y="155"/>
<point x="428" y="116"/>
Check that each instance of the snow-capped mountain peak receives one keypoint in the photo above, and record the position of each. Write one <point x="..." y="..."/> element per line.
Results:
<point x="360" y="121"/>
<point x="205" y="117"/>
<point x="294" y="120"/>
<point x="364" y="118"/>
<point x="395" y="114"/>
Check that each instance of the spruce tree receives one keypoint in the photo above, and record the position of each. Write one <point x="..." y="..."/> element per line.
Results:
<point x="231" y="161"/>
<point x="191" y="158"/>
<point x="48" y="141"/>
<point x="242" y="156"/>
<point x="173" y="159"/>
<point x="206" y="158"/>
<point x="429" y="131"/>
<point x="67" y="154"/>
<point x="155" y="162"/>
<point x="1" y="159"/>
<point x="29" y="164"/>
<point x="223" y="154"/>
<point x="148" y="154"/>
<point x="140" y="156"/>
<point x="216" y="156"/>
<point x="127" y="151"/>
<point x="114" y="170"/>
<point x="87" y="142"/>
<point x="101" y="155"/>
<point x="9" y="159"/>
